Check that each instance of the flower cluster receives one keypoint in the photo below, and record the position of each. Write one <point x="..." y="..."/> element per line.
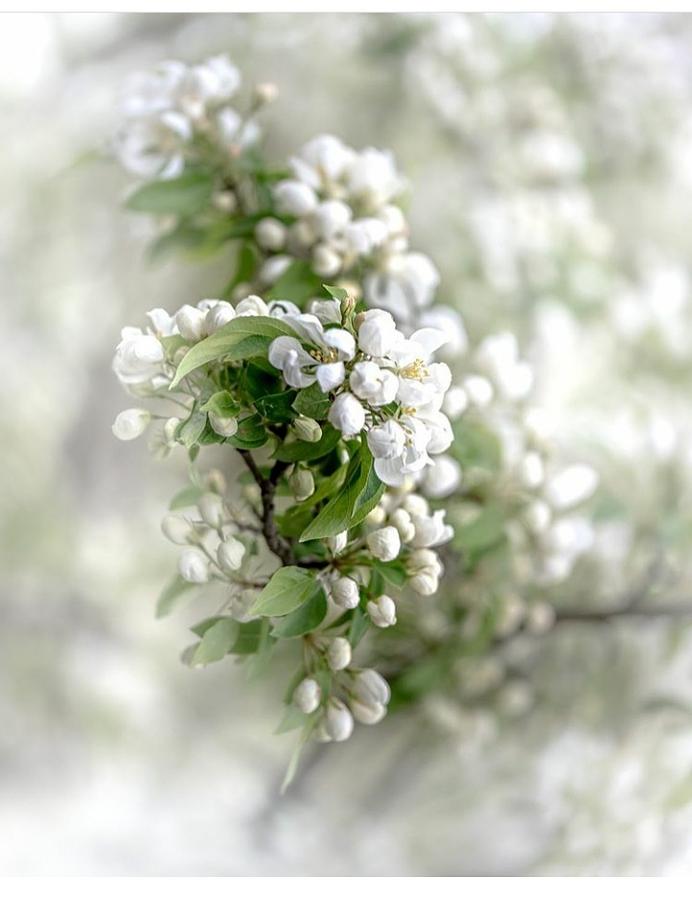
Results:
<point x="372" y="468"/>
<point x="339" y="212"/>
<point x="371" y="372"/>
<point x="174" y="112"/>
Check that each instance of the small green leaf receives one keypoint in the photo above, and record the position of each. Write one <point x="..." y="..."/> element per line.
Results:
<point x="251" y="434"/>
<point x="359" y="495"/>
<point x="190" y="430"/>
<point x="313" y="403"/>
<point x="241" y="338"/>
<point x="292" y="718"/>
<point x="359" y="625"/>
<point x="188" y="496"/>
<point x="288" y="588"/>
<point x="216" y="642"/>
<point x="394" y="572"/>
<point x="336" y="292"/>
<point x="222" y="404"/>
<point x="184" y="196"/>
<point x="298" y="284"/>
<point x="170" y="595"/>
<point x="484" y="531"/>
<point x="304" y="619"/>
<point x="277" y="407"/>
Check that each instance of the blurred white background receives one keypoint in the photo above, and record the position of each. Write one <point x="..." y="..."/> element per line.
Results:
<point x="550" y="163"/>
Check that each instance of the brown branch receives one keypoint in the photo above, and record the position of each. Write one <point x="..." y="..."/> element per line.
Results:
<point x="278" y="545"/>
<point x="593" y="616"/>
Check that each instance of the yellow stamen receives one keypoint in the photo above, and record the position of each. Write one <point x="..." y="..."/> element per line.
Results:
<point x="417" y="370"/>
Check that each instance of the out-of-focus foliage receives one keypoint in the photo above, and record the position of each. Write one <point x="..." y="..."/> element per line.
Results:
<point x="550" y="157"/>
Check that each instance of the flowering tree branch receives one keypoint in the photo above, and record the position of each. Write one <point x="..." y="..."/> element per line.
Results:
<point x="278" y="545"/>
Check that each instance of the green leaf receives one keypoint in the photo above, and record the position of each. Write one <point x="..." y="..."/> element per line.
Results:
<point x="188" y="496"/>
<point x="304" y="619"/>
<point x="251" y="434"/>
<point x="476" y="446"/>
<point x="288" y="588"/>
<point x="336" y="292"/>
<point x="394" y="572"/>
<point x="292" y="718"/>
<point x="305" y="450"/>
<point x="216" y="642"/>
<point x="298" y="284"/>
<point x="241" y="338"/>
<point x="169" y="596"/>
<point x="359" y="625"/>
<point x="359" y="495"/>
<point x="313" y="403"/>
<point x="183" y="196"/>
<point x="487" y="529"/>
<point x="277" y="407"/>
<point x="246" y="265"/>
<point x="191" y="429"/>
<point x="222" y="404"/>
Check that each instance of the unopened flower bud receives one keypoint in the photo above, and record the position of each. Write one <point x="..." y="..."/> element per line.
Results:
<point x="252" y="493"/>
<point x="170" y="428"/>
<point x="307" y="695"/>
<point x="212" y="510"/>
<point x="270" y="234"/>
<point x="225" y="201"/>
<point x="370" y="687"/>
<point x="347" y="415"/>
<point x="220" y="314"/>
<point x="345" y="593"/>
<point x="131" y="423"/>
<point x="385" y="543"/>
<point x="294" y="198"/>
<point x="337" y="543"/>
<point x="537" y="516"/>
<point x="376" y="516"/>
<point x="190" y="322"/>
<point x="338" y="720"/>
<point x="403" y="523"/>
<point x="307" y="429"/>
<point x="194" y="566"/>
<point x="226" y="426"/>
<point x="177" y="529"/>
<point x="216" y="481"/>
<point x="382" y="611"/>
<point x="367" y="713"/>
<point x="531" y="470"/>
<point x="302" y="483"/>
<point x="325" y="261"/>
<point x="415" y="505"/>
<point x="339" y="654"/>
<point x="230" y="554"/>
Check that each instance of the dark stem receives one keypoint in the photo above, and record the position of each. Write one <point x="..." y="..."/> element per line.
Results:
<point x="277" y="544"/>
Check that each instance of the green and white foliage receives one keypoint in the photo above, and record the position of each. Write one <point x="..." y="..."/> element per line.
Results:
<point x="379" y="450"/>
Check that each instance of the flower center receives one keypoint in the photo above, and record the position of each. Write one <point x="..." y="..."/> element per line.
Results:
<point x="417" y="370"/>
<point x="324" y="356"/>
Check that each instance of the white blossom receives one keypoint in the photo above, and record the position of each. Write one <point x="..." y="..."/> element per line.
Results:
<point x="131" y="423"/>
<point x="212" y="509"/>
<point x="402" y="521"/>
<point x="431" y="531"/>
<point x="377" y="332"/>
<point x="441" y="478"/>
<point x="270" y="234"/>
<point x="294" y="198"/>
<point x="230" y="554"/>
<point x="382" y="611"/>
<point x="307" y="695"/>
<point x="138" y="357"/>
<point x="338" y="720"/>
<point x="339" y="654"/>
<point x="385" y="543"/>
<point x="177" y="529"/>
<point x="345" y="592"/>
<point x="371" y="383"/>
<point x="571" y="486"/>
<point x="347" y="415"/>
<point x="193" y="566"/>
